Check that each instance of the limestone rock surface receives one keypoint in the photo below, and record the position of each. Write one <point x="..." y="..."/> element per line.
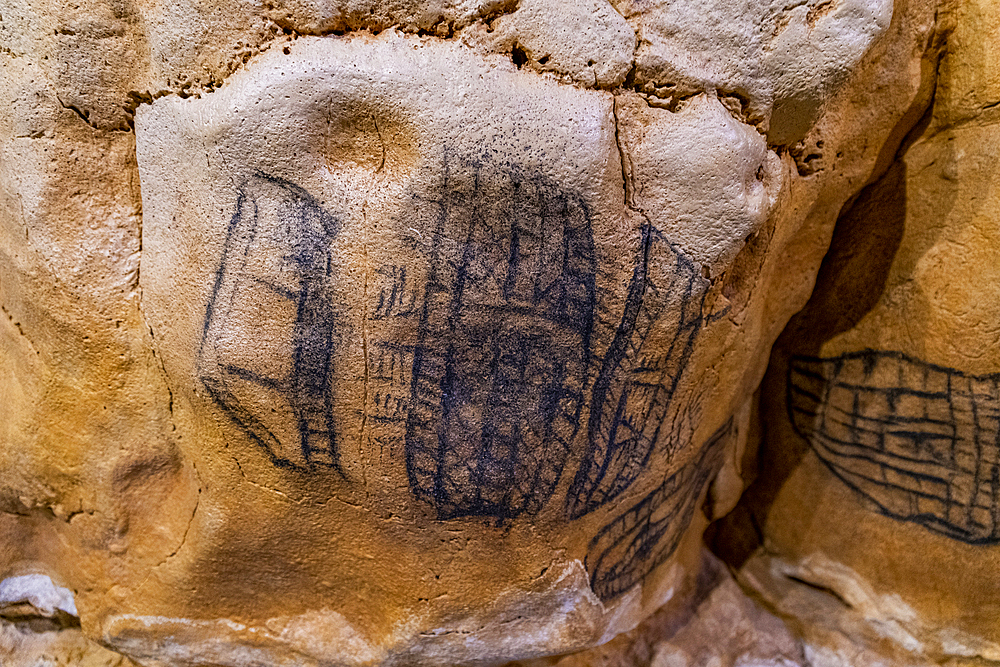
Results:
<point x="878" y="485"/>
<point x="394" y="333"/>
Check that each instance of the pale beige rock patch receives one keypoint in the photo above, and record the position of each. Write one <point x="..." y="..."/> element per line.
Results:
<point x="590" y="42"/>
<point x="716" y="182"/>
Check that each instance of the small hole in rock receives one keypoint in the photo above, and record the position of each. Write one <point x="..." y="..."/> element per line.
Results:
<point x="518" y="55"/>
<point x="543" y="60"/>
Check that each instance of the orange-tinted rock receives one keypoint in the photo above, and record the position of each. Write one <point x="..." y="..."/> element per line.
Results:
<point x="879" y="480"/>
<point x="429" y="346"/>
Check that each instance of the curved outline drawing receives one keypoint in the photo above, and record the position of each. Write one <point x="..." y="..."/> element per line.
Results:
<point x="647" y="534"/>
<point x="919" y="441"/>
<point x="277" y="254"/>
<point x="635" y="386"/>
<point x="503" y="351"/>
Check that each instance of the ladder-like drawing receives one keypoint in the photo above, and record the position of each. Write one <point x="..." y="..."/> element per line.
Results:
<point x="648" y="533"/>
<point x="503" y="348"/>
<point x="632" y="395"/>
<point x="267" y="350"/>
<point x="922" y="442"/>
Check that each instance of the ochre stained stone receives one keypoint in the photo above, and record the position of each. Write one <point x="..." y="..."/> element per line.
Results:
<point x="411" y="333"/>
<point x="880" y="469"/>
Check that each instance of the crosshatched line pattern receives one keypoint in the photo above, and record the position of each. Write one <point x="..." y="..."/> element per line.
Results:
<point x="918" y="440"/>
<point x="635" y="386"/>
<point x="500" y="366"/>
<point x="273" y="285"/>
<point x="648" y="533"/>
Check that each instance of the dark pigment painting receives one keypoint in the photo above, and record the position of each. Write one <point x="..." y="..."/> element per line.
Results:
<point x="505" y="369"/>
<point x="636" y="382"/>
<point x="503" y="348"/>
<point x="516" y="360"/>
<point x="919" y="441"/>
<point x="647" y="534"/>
<point x="274" y="284"/>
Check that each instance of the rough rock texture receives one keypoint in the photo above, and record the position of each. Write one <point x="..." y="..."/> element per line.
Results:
<point x="26" y="646"/>
<point x="877" y="501"/>
<point x="712" y="623"/>
<point x="363" y="333"/>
